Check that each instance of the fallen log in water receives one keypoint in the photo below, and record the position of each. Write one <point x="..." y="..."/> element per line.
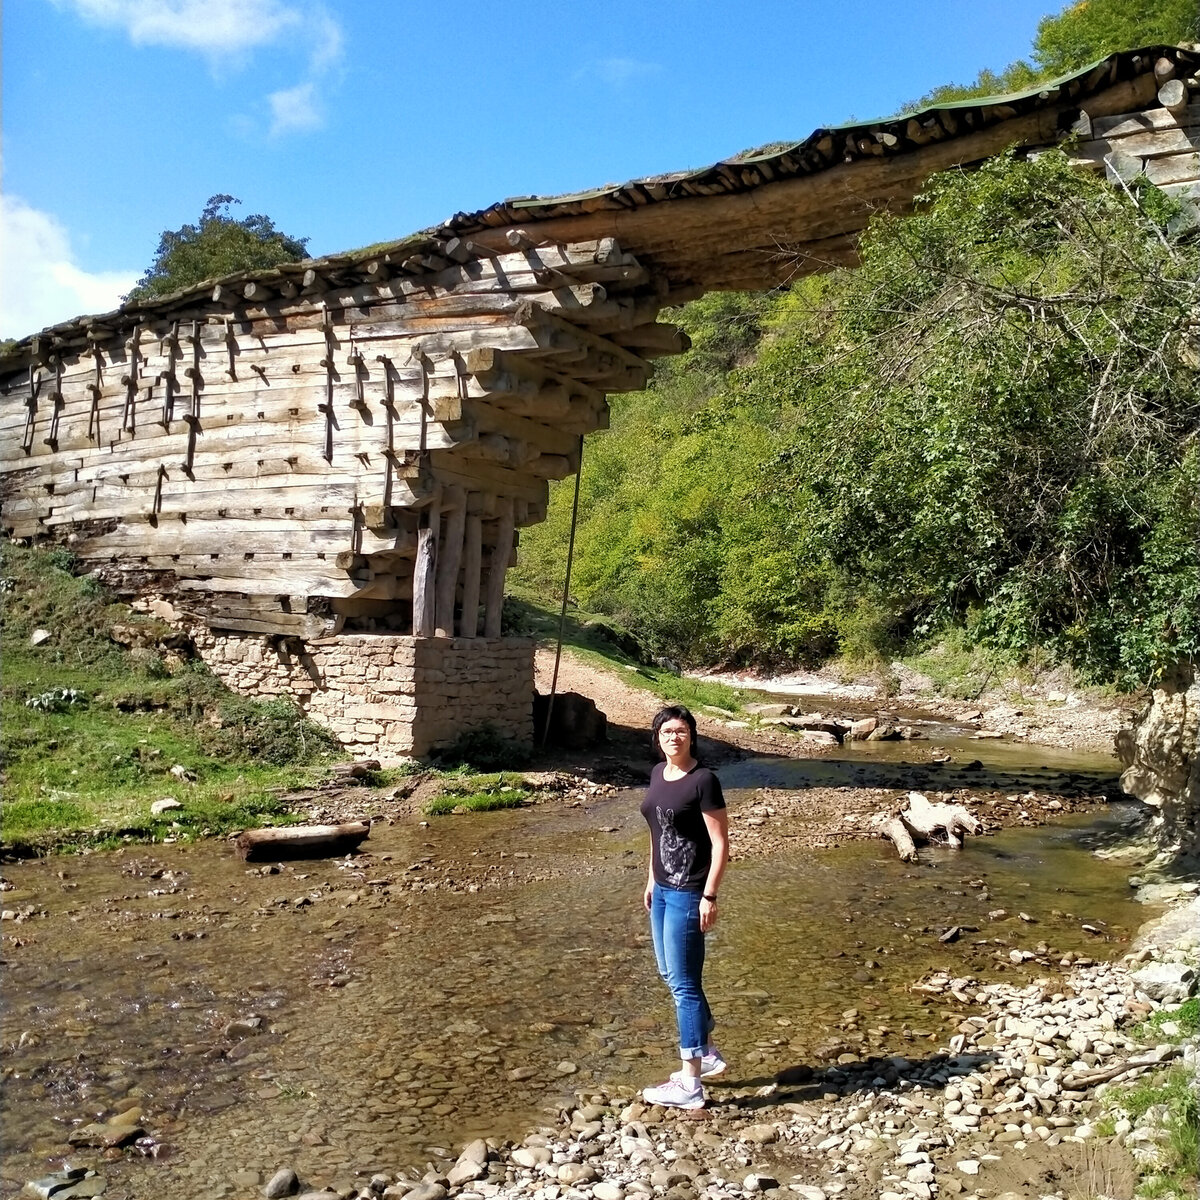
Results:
<point x="921" y="821"/>
<point x="301" y="841"/>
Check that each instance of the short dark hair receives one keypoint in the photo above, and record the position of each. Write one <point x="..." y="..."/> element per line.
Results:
<point x="673" y="712"/>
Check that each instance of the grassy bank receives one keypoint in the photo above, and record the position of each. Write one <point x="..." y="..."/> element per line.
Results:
<point x="598" y="642"/>
<point x="104" y="713"/>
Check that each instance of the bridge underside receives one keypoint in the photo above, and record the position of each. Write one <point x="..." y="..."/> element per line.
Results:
<point x="287" y="460"/>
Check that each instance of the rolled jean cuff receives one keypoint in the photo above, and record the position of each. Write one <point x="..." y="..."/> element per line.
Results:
<point x="692" y="1051"/>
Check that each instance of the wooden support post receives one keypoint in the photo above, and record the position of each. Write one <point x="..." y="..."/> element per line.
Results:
<point x="455" y="503"/>
<point x="95" y="387"/>
<point x="170" y="346"/>
<point x="130" y="380"/>
<point x="31" y="409"/>
<point x="424" y="571"/>
<point x="468" y="625"/>
<point x="498" y="567"/>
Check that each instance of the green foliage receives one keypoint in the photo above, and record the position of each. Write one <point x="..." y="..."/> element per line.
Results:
<point x="1172" y="1094"/>
<point x="83" y="772"/>
<point x="217" y="245"/>
<point x="988" y="426"/>
<point x="1083" y="32"/>
<point x="1091" y="29"/>
<point x="481" y="801"/>
<point x="1183" y="1020"/>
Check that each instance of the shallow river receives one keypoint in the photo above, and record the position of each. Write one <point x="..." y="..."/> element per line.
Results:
<point x="398" y="1023"/>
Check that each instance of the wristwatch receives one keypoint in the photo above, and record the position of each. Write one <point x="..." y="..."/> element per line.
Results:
<point x="710" y="899"/>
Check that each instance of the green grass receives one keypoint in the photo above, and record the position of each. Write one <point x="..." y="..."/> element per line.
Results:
<point x="597" y="642"/>
<point x="87" y="772"/>
<point x="1178" y="1165"/>
<point x="483" y="801"/>
<point x="1186" y="1017"/>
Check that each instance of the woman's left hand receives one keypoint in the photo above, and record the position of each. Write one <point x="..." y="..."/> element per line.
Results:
<point x="708" y="914"/>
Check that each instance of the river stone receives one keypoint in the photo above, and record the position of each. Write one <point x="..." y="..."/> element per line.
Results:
<point x="530" y="1156"/>
<point x="465" y="1172"/>
<point x="428" y="1191"/>
<point x="1171" y="983"/>
<point x="808" y="1191"/>
<point x="608" y="1191"/>
<point x="476" y="1152"/>
<point x="282" y="1183"/>
<point x="105" y="1137"/>
<point x="85" y="1189"/>
<point x="760" y="1135"/>
<point x="50" y="1185"/>
<point x="760" y="1183"/>
<point x="574" y="1174"/>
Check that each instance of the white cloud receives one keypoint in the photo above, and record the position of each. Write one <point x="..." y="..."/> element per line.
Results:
<point x="226" y="32"/>
<point x="209" y="27"/>
<point x="295" y="110"/>
<point x="620" y="72"/>
<point x="41" y="283"/>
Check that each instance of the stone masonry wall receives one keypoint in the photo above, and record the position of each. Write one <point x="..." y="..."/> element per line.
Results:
<point x="386" y="694"/>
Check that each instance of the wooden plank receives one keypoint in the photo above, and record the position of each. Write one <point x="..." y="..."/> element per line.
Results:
<point x="468" y="625"/>
<point x="1176" y="168"/>
<point x="301" y="841"/>
<point x="449" y="557"/>
<point x="424" y="600"/>
<point x="497" y="568"/>
<point x="1150" y="120"/>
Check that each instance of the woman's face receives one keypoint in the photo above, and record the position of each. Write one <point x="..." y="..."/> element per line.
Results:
<point x="675" y="737"/>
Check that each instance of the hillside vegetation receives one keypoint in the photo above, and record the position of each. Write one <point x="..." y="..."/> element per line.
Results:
<point x="987" y="433"/>
<point x="105" y="713"/>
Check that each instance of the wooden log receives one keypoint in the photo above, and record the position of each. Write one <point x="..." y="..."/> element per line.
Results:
<point x="301" y="841"/>
<point x="1173" y="96"/>
<point x="449" y="557"/>
<point x="424" y="573"/>
<point x="926" y="820"/>
<point x="889" y="825"/>
<point x="920" y="822"/>
<point x="468" y="625"/>
<point x="498" y="567"/>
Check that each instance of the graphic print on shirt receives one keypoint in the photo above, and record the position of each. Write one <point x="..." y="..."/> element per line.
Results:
<point x="675" y="852"/>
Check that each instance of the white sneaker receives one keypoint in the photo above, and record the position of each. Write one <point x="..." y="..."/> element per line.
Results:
<point x="712" y="1063"/>
<point x="674" y="1094"/>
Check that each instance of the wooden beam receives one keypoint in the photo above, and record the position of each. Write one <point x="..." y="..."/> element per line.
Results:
<point x="468" y="625"/>
<point x="424" y="572"/>
<point x="498" y="566"/>
<point x="449" y="557"/>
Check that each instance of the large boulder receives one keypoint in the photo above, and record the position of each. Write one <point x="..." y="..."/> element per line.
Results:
<point x="1160" y="751"/>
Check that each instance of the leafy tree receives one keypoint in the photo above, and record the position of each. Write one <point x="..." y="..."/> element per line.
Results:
<point x="989" y="426"/>
<point x="1083" y="32"/>
<point x="1091" y="29"/>
<point x="217" y="245"/>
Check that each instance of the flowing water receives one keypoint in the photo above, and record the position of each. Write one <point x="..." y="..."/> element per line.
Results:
<point x="395" y="1023"/>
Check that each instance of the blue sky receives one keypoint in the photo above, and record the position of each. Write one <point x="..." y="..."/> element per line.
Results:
<point x="360" y="121"/>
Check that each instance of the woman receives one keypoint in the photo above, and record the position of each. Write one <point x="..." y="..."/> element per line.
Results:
<point x="689" y="848"/>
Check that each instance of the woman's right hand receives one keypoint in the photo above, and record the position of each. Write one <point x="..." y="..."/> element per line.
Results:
<point x="648" y="895"/>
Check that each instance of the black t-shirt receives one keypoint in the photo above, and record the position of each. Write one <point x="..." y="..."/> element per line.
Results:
<point x="680" y="847"/>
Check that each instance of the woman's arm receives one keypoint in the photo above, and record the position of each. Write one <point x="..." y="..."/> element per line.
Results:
<point x="717" y="824"/>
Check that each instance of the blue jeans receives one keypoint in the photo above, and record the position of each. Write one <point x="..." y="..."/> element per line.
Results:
<point x="679" y="951"/>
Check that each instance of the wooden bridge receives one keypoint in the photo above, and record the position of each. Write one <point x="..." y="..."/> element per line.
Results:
<point x="347" y="446"/>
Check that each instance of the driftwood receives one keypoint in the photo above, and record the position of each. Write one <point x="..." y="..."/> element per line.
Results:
<point x="301" y="841"/>
<point x="922" y="821"/>
<point x="1083" y="1080"/>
